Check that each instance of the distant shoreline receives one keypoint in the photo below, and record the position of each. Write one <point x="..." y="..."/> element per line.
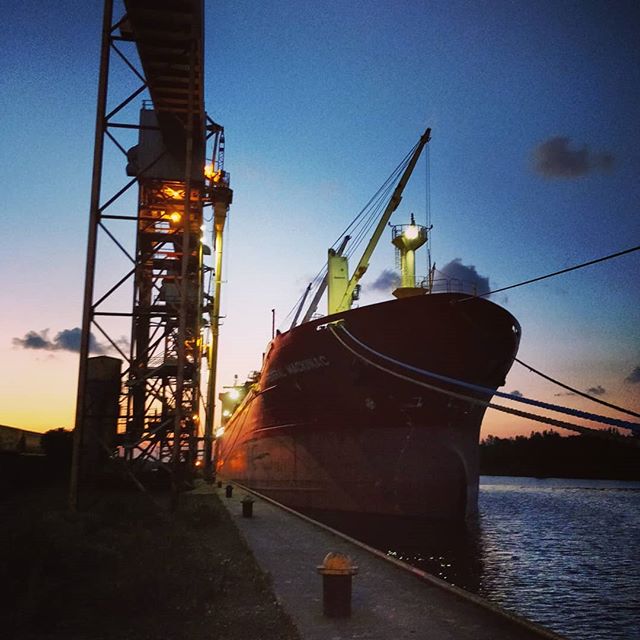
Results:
<point x="550" y="455"/>
<point x="577" y="479"/>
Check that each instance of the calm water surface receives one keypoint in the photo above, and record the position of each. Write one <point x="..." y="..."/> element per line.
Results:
<point x="564" y="553"/>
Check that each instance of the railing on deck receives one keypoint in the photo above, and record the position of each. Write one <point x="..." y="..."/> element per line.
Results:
<point x="450" y="285"/>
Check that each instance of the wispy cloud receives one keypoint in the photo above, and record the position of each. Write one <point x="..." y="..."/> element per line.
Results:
<point x="634" y="376"/>
<point x="596" y="391"/>
<point x="553" y="158"/>
<point x="65" y="340"/>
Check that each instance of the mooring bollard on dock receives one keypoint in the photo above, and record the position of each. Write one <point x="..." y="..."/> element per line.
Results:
<point x="228" y="492"/>
<point x="337" y="571"/>
<point x="247" y="507"/>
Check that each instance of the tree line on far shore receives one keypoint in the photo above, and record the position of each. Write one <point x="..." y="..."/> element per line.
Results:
<point x="547" y="454"/>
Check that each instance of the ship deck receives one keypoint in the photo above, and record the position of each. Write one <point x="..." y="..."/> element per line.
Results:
<point x="390" y="599"/>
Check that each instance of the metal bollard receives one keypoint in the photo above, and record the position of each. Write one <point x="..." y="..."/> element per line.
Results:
<point x="337" y="571"/>
<point x="247" y="507"/>
<point x="228" y="491"/>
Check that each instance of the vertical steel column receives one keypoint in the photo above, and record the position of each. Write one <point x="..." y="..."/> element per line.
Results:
<point x="220" y="216"/>
<point x="94" y="219"/>
<point x="184" y="272"/>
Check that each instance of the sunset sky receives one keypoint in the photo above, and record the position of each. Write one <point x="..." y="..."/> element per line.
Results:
<point x="534" y="167"/>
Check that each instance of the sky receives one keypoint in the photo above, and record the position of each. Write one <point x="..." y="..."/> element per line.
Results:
<point x="533" y="167"/>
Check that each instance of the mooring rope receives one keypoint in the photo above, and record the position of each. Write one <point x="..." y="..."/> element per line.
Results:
<point x="577" y="392"/>
<point x="551" y="275"/>
<point x="485" y="390"/>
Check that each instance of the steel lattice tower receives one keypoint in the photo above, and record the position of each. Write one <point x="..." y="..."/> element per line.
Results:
<point x="146" y="405"/>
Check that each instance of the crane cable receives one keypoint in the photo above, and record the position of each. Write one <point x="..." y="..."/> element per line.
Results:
<point x="360" y="225"/>
<point x="543" y="405"/>
<point x="389" y="182"/>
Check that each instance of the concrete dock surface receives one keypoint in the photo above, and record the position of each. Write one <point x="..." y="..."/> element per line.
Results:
<point x="390" y="599"/>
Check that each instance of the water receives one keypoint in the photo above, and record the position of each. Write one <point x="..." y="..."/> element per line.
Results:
<point x="564" y="553"/>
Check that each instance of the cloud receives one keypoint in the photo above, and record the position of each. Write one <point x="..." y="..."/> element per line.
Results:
<point x="65" y="340"/>
<point x="596" y="391"/>
<point x="634" y="376"/>
<point x="386" y="281"/>
<point x="69" y="339"/>
<point x="517" y="393"/>
<point x="554" y="159"/>
<point x="33" y="340"/>
<point x="466" y="275"/>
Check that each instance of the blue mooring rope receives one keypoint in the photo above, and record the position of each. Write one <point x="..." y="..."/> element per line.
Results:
<point x="623" y="424"/>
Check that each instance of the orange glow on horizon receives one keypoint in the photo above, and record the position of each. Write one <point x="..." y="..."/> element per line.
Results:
<point x="45" y="398"/>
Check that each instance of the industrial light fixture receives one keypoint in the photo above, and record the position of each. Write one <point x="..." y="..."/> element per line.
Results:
<point x="411" y="232"/>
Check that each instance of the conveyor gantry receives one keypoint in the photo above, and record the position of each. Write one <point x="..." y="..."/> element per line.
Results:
<point x="169" y="37"/>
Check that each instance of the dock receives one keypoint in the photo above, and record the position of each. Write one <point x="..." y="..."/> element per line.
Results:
<point x="390" y="599"/>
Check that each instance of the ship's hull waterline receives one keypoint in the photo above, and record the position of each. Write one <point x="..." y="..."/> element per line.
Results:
<point x="333" y="426"/>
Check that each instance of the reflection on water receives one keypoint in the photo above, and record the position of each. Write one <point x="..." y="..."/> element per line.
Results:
<point x="564" y="553"/>
<point x="450" y="552"/>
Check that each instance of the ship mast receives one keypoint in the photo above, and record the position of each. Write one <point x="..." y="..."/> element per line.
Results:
<point x="340" y="290"/>
<point x="407" y="238"/>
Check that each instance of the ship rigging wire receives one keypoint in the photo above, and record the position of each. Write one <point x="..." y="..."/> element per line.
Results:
<point x="635" y="427"/>
<point x="551" y="275"/>
<point x="427" y="208"/>
<point x="370" y="221"/>
<point x="360" y="226"/>
<point x="385" y="186"/>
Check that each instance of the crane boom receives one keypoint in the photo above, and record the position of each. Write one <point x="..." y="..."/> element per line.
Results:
<point x="363" y="265"/>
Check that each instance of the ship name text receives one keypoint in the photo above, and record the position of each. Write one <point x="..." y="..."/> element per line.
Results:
<point x="299" y="366"/>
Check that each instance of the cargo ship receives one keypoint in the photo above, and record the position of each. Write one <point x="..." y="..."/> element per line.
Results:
<point x="362" y="410"/>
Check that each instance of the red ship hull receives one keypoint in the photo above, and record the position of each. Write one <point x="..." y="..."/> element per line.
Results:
<point x="336" y="427"/>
